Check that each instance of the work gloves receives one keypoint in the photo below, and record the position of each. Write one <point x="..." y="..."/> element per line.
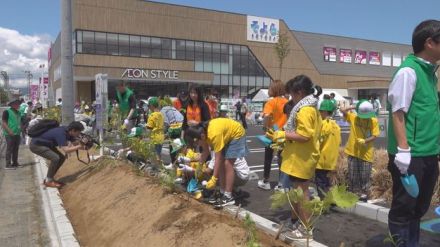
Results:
<point x="403" y="159"/>
<point x="277" y="136"/>
<point x="211" y="183"/>
<point x="360" y="141"/>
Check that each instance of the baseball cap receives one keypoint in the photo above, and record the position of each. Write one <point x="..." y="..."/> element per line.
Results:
<point x="153" y="101"/>
<point x="364" y="109"/>
<point x="135" y="132"/>
<point x="327" y="105"/>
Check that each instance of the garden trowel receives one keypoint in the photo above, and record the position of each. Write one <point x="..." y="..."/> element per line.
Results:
<point x="410" y="184"/>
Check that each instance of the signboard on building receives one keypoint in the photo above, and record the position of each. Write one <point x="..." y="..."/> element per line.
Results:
<point x="374" y="58"/>
<point x="329" y="54"/>
<point x="360" y="57"/>
<point x="345" y="55"/>
<point x="262" y="29"/>
<point x="44" y="87"/>
<point x="154" y="74"/>
<point x="34" y="92"/>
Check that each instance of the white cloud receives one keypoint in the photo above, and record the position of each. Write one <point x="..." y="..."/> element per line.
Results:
<point x="20" y="52"/>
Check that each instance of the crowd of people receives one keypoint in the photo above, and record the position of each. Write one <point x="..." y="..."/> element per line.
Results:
<point x="208" y="148"/>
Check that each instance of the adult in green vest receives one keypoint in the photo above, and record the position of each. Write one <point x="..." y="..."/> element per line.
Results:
<point x="414" y="133"/>
<point x="11" y="123"/>
<point x="127" y="105"/>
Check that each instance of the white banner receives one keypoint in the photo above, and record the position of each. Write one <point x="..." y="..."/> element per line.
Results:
<point x="262" y="29"/>
<point x="101" y="100"/>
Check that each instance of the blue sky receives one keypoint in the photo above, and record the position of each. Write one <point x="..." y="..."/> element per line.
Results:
<point x="28" y="26"/>
<point x="385" y="20"/>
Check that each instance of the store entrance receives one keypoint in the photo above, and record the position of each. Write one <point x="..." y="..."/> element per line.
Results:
<point x="146" y="89"/>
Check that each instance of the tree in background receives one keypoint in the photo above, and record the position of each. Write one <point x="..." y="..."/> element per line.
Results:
<point x="282" y="49"/>
<point x="3" y="96"/>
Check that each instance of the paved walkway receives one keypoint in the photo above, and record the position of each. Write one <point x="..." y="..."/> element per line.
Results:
<point x="21" y="217"/>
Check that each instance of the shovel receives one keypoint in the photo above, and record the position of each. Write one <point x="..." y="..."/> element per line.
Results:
<point x="410" y="184"/>
<point x="264" y="140"/>
<point x="192" y="186"/>
<point x="437" y="210"/>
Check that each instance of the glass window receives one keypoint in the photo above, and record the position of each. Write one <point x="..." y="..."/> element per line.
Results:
<point x="123" y="40"/>
<point x="236" y="50"/>
<point x="244" y="50"/>
<point x="216" y="63"/>
<point x="124" y="50"/>
<point x="236" y="64"/>
<point x="166" y="44"/>
<point x="145" y="52"/>
<point x="112" y="39"/>
<point x="88" y="37"/>
<point x="100" y="49"/>
<point x="207" y="47"/>
<point x="198" y="46"/>
<point x="79" y="36"/>
<point x="224" y="58"/>
<point x="224" y="48"/>
<point x="88" y="48"/>
<point x="79" y="48"/>
<point x="207" y="62"/>
<point x="135" y="46"/>
<point x="100" y="38"/>
<point x="252" y="66"/>
<point x="180" y="49"/>
<point x="156" y="47"/>
<point x="259" y="81"/>
<point x="145" y="41"/>
<point x="112" y="50"/>
<point x="216" y="48"/>
<point x="166" y="54"/>
<point x="189" y="50"/>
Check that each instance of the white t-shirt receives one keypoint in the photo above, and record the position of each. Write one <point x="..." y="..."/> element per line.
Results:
<point x="402" y="88"/>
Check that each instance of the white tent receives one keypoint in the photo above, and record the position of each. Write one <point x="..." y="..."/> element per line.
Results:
<point x="262" y="95"/>
<point x="338" y="96"/>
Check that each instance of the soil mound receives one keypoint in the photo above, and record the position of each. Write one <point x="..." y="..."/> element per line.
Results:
<point x="112" y="206"/>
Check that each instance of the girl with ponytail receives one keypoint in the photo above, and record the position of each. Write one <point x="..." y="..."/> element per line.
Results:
<point x="301" y="148"/>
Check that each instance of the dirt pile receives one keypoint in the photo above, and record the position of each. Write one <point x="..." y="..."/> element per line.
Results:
<point x="111" y="206"/>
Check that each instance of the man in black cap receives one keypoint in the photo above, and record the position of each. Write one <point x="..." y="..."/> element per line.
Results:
<point x="11" y="123"/>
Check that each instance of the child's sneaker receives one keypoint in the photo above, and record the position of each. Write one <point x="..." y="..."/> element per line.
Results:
<point x="278" y="188"/>
<point x="214" y="197"/>
<point x="298" y="232"/>
<point x="224" y="201"/>
<point x="263" y="185"/>
<point x="168" y="167"/>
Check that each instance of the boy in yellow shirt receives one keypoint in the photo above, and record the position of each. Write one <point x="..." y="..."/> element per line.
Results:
<point x="156" y="124"/>
<point x="364" y="129"/>
<point x="329" y="142"/>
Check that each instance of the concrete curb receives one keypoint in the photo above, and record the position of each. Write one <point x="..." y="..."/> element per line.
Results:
<point x="60" y="229"/>
<point x="369" y="211"/>
<point x="269" y="227"/>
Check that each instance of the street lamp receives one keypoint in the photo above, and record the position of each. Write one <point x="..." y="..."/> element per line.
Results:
<point x="5" y="76"/>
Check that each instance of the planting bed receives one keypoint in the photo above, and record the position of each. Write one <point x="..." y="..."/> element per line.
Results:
<point x="109" y="205"/>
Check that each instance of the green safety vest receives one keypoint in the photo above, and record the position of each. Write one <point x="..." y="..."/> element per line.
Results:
<point x="422" y="121"/>
<point x="14" y="122"/>
<point x="124" y="105"/>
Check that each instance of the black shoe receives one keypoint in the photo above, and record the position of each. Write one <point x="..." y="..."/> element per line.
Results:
<point x="363" y="198"/>
<point x="17" y="165"/>
<point x="10" y="168"/>
<point x="224" y="201"/>
<point x="215" y="196"/>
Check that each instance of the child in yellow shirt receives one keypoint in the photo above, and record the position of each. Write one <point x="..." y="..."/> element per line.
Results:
<point x="156" y="124"/>
<point x="329" y="142"/>
<point x="301" y="149"/>
<point x="364" y="129"/>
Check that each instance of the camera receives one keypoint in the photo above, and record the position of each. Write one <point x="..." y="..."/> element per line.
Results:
<point x="87" y="141"/>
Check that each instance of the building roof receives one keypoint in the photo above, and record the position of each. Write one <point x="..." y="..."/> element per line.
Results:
<point x="314" y="43"/>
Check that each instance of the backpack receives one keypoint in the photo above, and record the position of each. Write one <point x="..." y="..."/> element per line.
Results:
<point x="42" y="127"/>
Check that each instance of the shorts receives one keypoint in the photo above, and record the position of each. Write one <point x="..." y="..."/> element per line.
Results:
<point x="236" y="149"/>
<point x="287" y="181"/>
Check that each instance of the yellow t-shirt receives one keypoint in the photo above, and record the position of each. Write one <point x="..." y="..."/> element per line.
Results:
<point x="300" y="159"/>
<point x="221" y="131"/>
<point x="274" y="108"/>
<point x="361" y="128"/>
<point x="155" y="123"/>
<point x="329" y="143"/>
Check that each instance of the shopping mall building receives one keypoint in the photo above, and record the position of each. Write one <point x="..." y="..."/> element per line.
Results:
<point x="158" y="49"/>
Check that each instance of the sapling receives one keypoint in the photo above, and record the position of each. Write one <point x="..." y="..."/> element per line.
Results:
<point x="337" y="195"/>
<point x="251" y="232"/>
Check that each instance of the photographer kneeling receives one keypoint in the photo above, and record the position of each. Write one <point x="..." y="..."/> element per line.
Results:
<point x="46" y="145"/>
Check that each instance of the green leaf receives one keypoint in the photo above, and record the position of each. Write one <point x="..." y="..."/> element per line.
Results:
<point x="341" y="197"/>
<point x="279" y="199"/>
